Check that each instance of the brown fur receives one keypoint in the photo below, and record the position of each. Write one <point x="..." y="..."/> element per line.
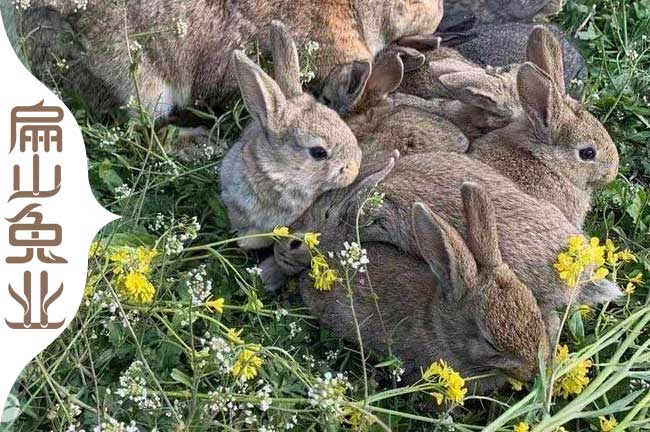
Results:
<point x="460" y="303"/>
<point x="540" y="151"/>
<point x="175" y="71"/>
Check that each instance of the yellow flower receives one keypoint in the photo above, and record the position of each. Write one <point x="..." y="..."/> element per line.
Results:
<point x="234" y="336"/>
<point x="89" y="289"/>
<point x="576" y="243"/>
<point x="521" y="427"/>
<point x="311" y="240"/>
<point x="279" y="231"/>
<point x="579" y="256"/>
<point x="607" y="425"/>
<point x="452" y="382"/>
<point x="136" y="288"/>
<point x="358" y="420"/>
<point x="126" y="259"/>
<point x="637" y="280"/>
<point x="120" y="257"/>
<point x="439" y="397"/>
<point x="585" y="310"/>
<point x="217" y="304"/>
<point x="600" y="274"/>
<point x="95" y="249"/>
<point x="612" y="256"/>
<point x="515" y="384"/>
<point x="574" y="380"/>
<point x="626" y="256"/>
<point x="630" y="288"/>
<point x="248" y="364"/>
<point x="324" y="277"/>
<point x="144" y="256"/>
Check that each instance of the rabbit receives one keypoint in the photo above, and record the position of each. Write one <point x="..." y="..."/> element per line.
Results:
<point x="532" y="232"/>
<point x="293" y="150"/>
<point x="505" y="44"/>
<point x="384" y="121"/>
<point x="460" y="303"/>
<point x="557" y="151"/>
<point x="185" y="47"/>
<point x="290" y="256"/>
<point x="461" y="14"/>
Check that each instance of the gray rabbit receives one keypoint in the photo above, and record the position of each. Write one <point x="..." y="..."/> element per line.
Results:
<point x="460" y="14"/>
<point x="294" y="149"/>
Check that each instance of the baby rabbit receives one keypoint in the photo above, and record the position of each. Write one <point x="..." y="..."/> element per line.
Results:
<point x="384" y="121"/>
<point x="460" y="14"/>
<point x="460" y="303"/>
<point x="293" y="150"/>
<point x="184" y="48"/>
<point x="557" y="151"/>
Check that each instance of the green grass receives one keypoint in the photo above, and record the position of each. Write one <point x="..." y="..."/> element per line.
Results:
<point x="76" y="381"/>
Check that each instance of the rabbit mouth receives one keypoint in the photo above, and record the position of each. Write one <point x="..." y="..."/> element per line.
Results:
<point x="346" y="175"/>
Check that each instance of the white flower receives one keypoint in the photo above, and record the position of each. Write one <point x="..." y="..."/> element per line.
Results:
<point x="328" y="394"/>
<point x="265" y="398"/>
<point x="123" y="192"/>
<point x="353" y="256"/>
<point x="198" y="285"/>
<point x="180" y="27"/>
<point x="80" y="5"/>
<point x="255" y="270"/>
<point x="22" y="4"/>
<point x="133" y="387"/>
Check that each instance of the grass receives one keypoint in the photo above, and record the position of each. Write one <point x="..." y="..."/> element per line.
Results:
<point x="168" y="365"/>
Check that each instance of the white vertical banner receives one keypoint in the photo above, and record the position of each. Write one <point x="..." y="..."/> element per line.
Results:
<point x="48" y="217"/>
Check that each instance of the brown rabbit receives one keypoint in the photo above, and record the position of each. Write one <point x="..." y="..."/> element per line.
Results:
<point x="384" y="121"/>
<point x="186" y="47"/>
<point x="460" y="303"/>
<point x="557" y="151"/>
<point x="293" y="150"/>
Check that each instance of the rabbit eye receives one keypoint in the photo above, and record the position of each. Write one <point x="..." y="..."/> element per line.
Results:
<point x="326" y="100"/>
<point x="587" y="154"/>
<point x="318" y="153"/>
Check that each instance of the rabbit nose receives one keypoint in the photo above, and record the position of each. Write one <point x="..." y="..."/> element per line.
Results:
<point x="348" y="174"/>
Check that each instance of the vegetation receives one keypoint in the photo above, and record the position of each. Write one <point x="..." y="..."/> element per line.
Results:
<point x="175" y="332"/>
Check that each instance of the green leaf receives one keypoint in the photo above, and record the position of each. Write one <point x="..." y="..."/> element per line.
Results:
<point x="108" y="175"/>
<point x="181" y="377"/>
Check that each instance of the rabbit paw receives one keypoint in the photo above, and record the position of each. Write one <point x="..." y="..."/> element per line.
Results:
<point x="272" y="276"/>
<point x="254" y="243"/>
<point x="195" y="144"/>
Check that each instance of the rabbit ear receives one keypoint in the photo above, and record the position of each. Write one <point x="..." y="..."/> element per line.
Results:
<point x="285" y="60"/>
<point x="476" y="88"/>
<point x="386" y="77"/>
<point x="346" y="85"/>
<point x="421" y="42"/>
<point x="262" y="96"/>
<point x="545" y="51"/>
<point x="444" y="250"/>
<point x="481" y="223"/>
<point x="372" y="173"/>
<point x="412" y="59"/>
<point x="539" y="98"/>
<point x="449" y="65"/>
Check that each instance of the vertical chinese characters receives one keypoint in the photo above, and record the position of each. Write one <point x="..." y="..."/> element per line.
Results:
<point x="35" y="131"/>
